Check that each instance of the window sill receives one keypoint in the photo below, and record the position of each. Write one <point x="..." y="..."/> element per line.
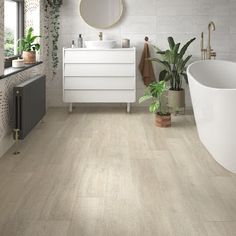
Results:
<point x="12" y="71"/>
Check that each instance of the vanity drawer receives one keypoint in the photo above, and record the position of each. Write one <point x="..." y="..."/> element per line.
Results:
<point x="95" y="96"/>
<point x="99" y="70"/>
<point x="99" y="56"/>
<point x="99" y="83"/>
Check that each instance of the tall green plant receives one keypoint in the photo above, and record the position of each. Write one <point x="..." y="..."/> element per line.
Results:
<point x="174" y="63"/>
<point x="154" y="92"/>
<point x="29" y="42"/>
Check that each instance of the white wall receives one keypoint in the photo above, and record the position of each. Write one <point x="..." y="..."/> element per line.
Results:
<point x="157" y="19"/>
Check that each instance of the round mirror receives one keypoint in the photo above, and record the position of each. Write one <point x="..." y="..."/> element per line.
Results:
<point x="101" y="14"/>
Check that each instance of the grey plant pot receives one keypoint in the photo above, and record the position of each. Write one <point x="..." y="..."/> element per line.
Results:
<point x="176" y="99"/>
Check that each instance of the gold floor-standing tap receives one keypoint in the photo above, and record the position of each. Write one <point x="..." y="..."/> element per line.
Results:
<point x="208" y="53"/>
<point x="203" y="50"/>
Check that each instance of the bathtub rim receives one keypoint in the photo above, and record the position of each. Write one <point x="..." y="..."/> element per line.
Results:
<point x="203" y="85"/>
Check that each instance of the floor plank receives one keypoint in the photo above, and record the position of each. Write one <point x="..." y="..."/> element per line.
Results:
<point x="100" y="171"/>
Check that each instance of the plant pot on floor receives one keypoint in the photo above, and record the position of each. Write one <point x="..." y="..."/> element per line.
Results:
<point x="163" y="121"/>
<point x="29" y="57"/>
<point x="176" y="99"/>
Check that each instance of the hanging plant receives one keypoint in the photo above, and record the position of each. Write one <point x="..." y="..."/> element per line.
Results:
<point x="52" y="27"/>
<point x="54" y="2"/>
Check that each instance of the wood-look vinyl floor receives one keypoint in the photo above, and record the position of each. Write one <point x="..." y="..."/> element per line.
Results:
<point x="102" y="172"/>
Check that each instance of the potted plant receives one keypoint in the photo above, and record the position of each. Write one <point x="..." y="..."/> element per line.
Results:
<point x="174" y="70"/>
<point x="28" y="47"/>
<point x="155" y="92"/>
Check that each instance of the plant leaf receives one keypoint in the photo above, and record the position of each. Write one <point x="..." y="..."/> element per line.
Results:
<point x="185" y="77"/>
<point x="186" y="60"/>
<point x="162" y="75"/>
<point x="175" y="53"/>
<point x="165" y="64"/>
<point x="157" y="88"/>
<point x="161" y="52"/>
<point x="154" y="106"/>
<point x="168" y="56"/>
<point x="29" y="34"/>
<point x="37" y="46"/>
<point x="171" y="42"/>
<point x="145" y="98"/>
<point x="32" y="39"/>
<point x="185" y="47"/>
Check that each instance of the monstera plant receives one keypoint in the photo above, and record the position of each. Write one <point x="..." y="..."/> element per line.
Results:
<point x="174" y="63"/>
<point x="155" y="92"/>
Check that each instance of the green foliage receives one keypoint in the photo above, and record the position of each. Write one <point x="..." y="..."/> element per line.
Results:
<point x="54" y="2"/>
<point x="28" y="42"/>
<point x="8" y="43"/>
<point x="154" y="92"/>
<point x="52" y="10"/>
<point x="173" y="63"/>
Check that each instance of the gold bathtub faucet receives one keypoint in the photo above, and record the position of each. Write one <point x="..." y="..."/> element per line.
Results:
<point x="208" y="53"/>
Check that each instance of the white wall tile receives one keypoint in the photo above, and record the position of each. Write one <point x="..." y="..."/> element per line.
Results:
<point x="232" y="6"/>
<point x="175" y="24"/>
<point x="141" y="8"/>
<point x="139" y="25"/>
<point x="201" y="7"/>
<point x="220" y="8"/>
<point x="232" y="43"/>
<point x="178" y="8"/>
<point x="157" y="19"/>
<point x="70" y="24"/>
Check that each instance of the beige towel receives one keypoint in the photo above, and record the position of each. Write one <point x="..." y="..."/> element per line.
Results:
<point x="145" y="66"/>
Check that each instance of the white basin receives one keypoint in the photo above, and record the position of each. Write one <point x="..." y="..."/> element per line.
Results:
<point x="100" y="44"/>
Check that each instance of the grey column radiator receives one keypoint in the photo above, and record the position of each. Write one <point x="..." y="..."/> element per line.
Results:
<point x="29" y="104"/>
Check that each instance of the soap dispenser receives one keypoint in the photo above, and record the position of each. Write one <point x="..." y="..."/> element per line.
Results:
<point x="73" y="44"/>
<point x="80" y="41"/>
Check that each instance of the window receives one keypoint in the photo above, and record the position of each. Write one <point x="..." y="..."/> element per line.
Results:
<point x="13" y="28"/>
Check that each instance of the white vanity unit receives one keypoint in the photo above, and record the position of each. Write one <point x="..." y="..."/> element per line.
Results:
<point x="99" y="76"/>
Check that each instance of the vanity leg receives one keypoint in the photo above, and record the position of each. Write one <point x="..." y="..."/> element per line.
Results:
<point x="70" y="107"/>
<point x="128" y="107"/>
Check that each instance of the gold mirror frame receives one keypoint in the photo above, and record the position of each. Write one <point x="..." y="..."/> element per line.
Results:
<point x="98" y="27"/>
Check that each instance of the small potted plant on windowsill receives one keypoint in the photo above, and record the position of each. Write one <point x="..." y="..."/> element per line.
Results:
<point x="28" y="47"/>
<point x="155" y="92"/>
<point x="174" y="70"/>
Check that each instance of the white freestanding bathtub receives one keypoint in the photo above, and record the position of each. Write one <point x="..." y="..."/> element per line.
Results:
<point x="213" y="92"/>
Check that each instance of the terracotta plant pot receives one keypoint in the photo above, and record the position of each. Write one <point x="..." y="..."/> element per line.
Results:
<point x="176" y="99"/>
<point x="163" y="121"/>
<point x="29" y="57"/>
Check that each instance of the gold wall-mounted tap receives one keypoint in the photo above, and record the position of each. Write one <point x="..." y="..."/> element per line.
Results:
<point x="208" y="53"/>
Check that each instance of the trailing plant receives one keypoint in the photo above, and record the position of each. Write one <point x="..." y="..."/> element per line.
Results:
<point x="28" y="42"/>
<point x="52" y="27"/>
<point x="155" y="92"/>
<point x="54" y="2"/>
<point x="174" y="63"/>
